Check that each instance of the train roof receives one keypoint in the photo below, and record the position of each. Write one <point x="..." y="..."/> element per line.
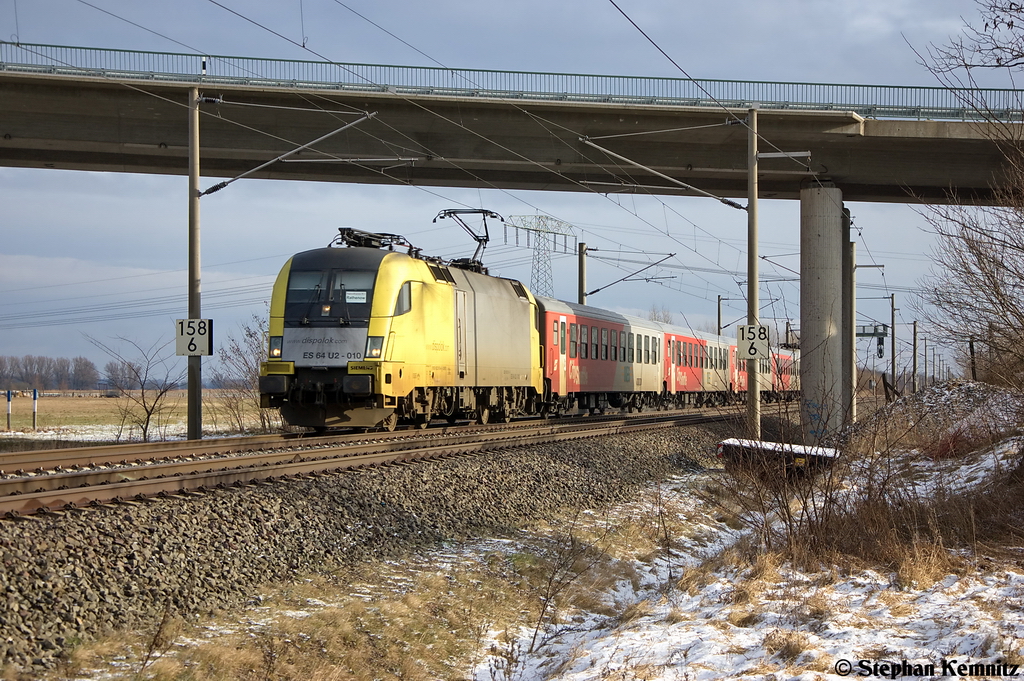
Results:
<point x="566" y="307"/>
<point x="355" y="258"/>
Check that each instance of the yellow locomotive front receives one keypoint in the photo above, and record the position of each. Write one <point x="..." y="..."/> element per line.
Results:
<point x="331" y="311"/>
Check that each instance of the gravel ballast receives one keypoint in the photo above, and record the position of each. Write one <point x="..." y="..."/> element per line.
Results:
<point x="69" y="578"/>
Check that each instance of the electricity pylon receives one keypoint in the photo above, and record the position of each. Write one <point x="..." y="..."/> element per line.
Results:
<point x="548" y="235"/>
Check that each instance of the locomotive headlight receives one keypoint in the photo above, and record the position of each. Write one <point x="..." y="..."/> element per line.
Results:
<point x="374" y="345"/>
<point x="325" y="311"/>
<point x="276" y="342"/>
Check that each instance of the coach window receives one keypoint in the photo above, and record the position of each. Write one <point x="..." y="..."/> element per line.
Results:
<point x="574" y="331"/>
<point x="584" y="342"/>
<point x="594" y="344"/>
<point x="647" y="349"/>
<point x="554" y="332"/>
<point x="630" y="351"/>
<point x="655" y="350"/>
<point x="562" y="339"/>
<point x="614" y="341"/>
<point x="622" y="346"/>
<point x="604" y="343"/>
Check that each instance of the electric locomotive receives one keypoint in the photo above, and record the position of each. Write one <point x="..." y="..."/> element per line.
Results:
<point x="364" y="336"/>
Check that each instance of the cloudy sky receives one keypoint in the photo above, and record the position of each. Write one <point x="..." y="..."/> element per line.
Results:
<point x="111" y="248"/>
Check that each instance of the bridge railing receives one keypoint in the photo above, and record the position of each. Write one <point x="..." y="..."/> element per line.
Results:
<point x="873" y="101"/>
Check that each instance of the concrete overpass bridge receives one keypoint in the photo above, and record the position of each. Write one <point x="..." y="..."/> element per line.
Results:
<point x="113" y="110"/>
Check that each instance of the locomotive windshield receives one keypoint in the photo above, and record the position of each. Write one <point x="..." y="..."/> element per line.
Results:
<point x="329" y="297"/>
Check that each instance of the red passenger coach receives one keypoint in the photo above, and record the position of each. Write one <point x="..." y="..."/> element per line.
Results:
<point x="594" y="359"/>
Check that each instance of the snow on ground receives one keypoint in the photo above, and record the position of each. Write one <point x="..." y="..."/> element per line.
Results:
<point x="778" y="622"/>
<point x="116" y="433"/>
<point x="802" y="625"/>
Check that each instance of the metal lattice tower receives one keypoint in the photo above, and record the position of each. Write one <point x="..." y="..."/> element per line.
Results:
<point x="545" y="232"/>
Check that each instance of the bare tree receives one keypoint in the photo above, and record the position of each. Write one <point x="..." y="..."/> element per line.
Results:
<point x="83" y="374"/>
<point x="36" y="371"/>
<point x="143" y="381"/>
<point x="659" y="314"/>
<point x="238" y="376"/>
<point x="975" y="291"/>
<point x="990" y="47"/>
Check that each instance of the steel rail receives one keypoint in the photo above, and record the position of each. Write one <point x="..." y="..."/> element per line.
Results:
<point x="41" y="494"/>
<point x="40" y="461"/>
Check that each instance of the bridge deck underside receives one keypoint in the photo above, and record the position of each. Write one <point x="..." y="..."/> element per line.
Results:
<point x="82" y="124"/>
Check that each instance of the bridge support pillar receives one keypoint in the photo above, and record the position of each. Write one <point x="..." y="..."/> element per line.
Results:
<point x="821" y="310"/>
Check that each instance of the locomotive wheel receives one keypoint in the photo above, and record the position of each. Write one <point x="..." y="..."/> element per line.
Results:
<point x="483" y="416"/>
<point x="505" y="416"/>
<point x="422" y="420"/>
<point x="389" y="422"/>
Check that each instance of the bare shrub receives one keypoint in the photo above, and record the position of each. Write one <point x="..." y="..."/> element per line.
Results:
<point x="873" y="507"/>
<point x="238" y="378"/>
<point x="143" y="379"/>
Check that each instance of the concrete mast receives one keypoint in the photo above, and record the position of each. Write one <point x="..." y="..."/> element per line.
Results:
<point x="753" y="377"/>
<point x="195" y="363"/>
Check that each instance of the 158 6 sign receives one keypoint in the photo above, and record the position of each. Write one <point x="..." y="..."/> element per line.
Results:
<point x="752" y="342"/>
<point x="194" y="337"/>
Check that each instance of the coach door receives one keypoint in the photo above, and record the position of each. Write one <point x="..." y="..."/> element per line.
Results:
<point x="561" y="356"/>
<point x="670" y="363"/>
<point x="460" y="333"/>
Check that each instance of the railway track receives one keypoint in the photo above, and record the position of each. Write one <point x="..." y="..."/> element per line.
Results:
<point x="75" y="478"/>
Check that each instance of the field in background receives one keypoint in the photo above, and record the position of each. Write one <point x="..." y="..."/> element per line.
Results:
<point x="64" y="417"/>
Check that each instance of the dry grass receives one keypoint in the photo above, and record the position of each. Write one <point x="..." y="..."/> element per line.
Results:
<point x="742" y="617"/>
<point x="635" y="611"/>
<point x="786" y="645"/>
<point x="427" y="628"/>
<point x="74" y="410"/>
<point x="88" y="409"/>
<point x="886" y="520"/>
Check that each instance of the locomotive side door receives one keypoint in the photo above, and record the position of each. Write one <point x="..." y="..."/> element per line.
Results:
<point x="561" y="356"/>
<point x="460" y="333"/>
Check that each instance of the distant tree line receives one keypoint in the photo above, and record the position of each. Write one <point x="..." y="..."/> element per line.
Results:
<point x="47" y="373"/>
